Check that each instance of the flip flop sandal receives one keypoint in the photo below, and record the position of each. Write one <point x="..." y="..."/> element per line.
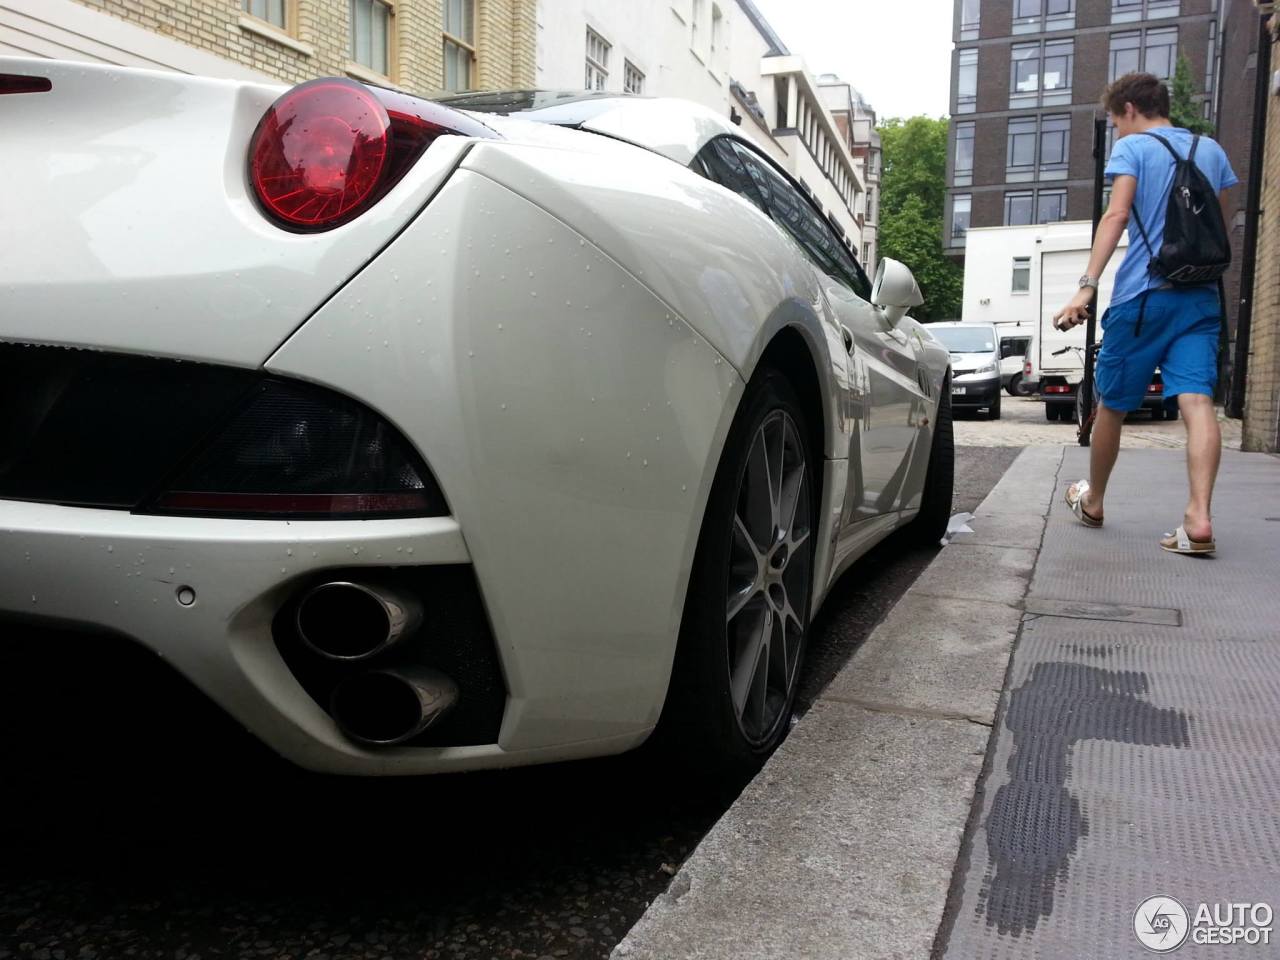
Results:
<point x="1179" y="542"/>
<point x="1076" y="504"/>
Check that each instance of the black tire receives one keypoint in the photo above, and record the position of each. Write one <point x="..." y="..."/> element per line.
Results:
<point x="1171" y="413"/>
<point x="1079" y="414"/>
<point x="993" y="411"/>
<point x="1051" y="412"/>
<point x="700" y="725"/>
<point x="939" y="480"/>
<point x="1012" y="385"/>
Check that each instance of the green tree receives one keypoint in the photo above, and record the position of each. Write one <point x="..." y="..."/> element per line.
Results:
<point x="913" y="211"/>
<point x="1183" y="110"/>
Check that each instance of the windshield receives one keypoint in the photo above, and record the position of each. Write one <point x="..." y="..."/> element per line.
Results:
<point x="965" y="339"/>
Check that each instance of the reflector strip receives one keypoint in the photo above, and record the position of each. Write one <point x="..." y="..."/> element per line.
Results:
<point x="15" y="83"/>
<point x="243" y="504"/>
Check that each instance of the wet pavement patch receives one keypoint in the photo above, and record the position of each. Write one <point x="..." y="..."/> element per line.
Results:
<point x="1035" y="823"/>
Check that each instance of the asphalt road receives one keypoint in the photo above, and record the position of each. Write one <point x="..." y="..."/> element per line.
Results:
<point x="116" y="845"/>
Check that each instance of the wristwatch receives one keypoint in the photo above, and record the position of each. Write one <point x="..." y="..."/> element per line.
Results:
<point x="1088" y="281"/>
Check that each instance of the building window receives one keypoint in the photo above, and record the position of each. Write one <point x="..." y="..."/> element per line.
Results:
<point x="866" y="256"/>
<point x="1051" y="206"/>
<point x="695" y="19"/>
<point x="1040" y="73"/>
<point x="272" y="11"/>
<point x="1038" y="148"/>
<point x="1156" y="52"/>
<point x="967" y="82"/>
<point x="1027" y="16"/>
<point x="1126" y="54"/>
<point x="717" y="32"/>
<point x="1018" y="208"/>
<point x="371" y="35"/>
<point x="597" y="61"/>
<point x="1020" y="161"/>
<point x="632" y="78"/>
<point x="970" y="19"/>
<point x="1024" y="75"/>
<point x="961" y="205"/>
<point x="1211" y="62"/>
<point x="1060" y="14"/>
<point x="459" y="44"/>
<point x="1033" y="16"/>
<point x="1059" y="58"/>
<point x="1128" y="11"/>
<point x="963" y="173"/>
<point x="1160" y="52"/>
<point x="1021" y="275"/>
<point x="1055" y="146"/>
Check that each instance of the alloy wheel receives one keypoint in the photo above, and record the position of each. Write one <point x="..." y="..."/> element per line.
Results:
<point x="769" y="577"/>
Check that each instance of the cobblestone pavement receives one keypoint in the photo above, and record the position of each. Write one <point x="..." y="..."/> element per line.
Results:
<point x="138" y="825"/>
<point x="1022" y="424"/>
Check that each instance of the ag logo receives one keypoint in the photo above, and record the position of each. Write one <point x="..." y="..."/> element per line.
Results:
<point x="1161" y="924"/>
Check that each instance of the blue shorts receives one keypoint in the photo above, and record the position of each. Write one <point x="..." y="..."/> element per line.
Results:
<point x="1179" y="335"/>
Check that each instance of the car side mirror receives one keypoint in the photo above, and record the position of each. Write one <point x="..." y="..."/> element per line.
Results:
<point x="895" y="290"/>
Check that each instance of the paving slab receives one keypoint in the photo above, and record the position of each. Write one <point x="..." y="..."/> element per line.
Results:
<point x="935" y="655"/>
<point x="974" y="572"/>
<point x="816" y="859"/>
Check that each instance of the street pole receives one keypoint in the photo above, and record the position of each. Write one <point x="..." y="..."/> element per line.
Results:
<point x="1086" y="406"/>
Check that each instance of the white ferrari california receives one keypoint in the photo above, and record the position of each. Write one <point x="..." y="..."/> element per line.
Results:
<point x="434" y="435"/>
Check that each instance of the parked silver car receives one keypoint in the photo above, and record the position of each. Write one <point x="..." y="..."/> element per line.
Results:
<point x="975" y="364"/>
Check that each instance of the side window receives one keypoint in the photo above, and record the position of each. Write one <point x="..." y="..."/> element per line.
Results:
<point x="798" y="217"/>
<point x="718" y="161"/>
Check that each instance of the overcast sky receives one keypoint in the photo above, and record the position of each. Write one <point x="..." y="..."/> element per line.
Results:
<point x="897" y="52"/>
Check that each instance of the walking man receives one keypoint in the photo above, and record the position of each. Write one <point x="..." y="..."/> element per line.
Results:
<point x="1153" y="320"/>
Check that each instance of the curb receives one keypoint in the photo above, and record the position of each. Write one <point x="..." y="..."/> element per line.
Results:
<point x="845" y="843"/>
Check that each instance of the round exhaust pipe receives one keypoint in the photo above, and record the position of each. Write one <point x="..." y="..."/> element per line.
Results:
<point x="384" y="707"/>
<point x="349" y="621"/>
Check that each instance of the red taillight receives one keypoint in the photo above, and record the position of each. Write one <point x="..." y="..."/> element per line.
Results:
<point x="1057" y="388"/>
<point x="319" y="153"/>
<point x="1026" y="368"/>
<point x="329" y="148"/>
<point x="1154" y="388"/>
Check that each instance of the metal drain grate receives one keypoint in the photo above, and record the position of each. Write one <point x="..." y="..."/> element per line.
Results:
<point x="1161" y="616"/>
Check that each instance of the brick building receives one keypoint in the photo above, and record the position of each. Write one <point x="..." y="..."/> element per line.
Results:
<point x="419" y="45"/>
<point x="1026" y="80"/>
<point x="1262" y="397"/>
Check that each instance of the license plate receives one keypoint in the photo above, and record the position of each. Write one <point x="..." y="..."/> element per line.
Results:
<point x="957" y="390"/>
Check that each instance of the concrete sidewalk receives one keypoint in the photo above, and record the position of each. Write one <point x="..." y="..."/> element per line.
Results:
<point x="1136" y="750"/>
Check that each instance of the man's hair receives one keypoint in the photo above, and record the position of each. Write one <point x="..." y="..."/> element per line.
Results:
<point x="1147" y="93"/>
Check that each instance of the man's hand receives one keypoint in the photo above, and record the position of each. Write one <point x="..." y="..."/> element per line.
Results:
<point x="1075" y="312"/>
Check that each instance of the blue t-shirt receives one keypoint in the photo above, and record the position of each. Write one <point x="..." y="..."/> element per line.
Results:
<point x="1142" y="157"/>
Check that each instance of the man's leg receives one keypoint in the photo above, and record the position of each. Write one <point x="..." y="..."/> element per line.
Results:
<point x="1104" y="447"/>
<point x="1204" y="451"/>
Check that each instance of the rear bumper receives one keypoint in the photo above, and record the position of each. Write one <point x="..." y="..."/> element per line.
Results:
<point x="977" y="393"/>
<point x="122" y="573"/>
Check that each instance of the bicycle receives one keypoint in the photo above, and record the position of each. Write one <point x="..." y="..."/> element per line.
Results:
<point x="1086" y="397"/>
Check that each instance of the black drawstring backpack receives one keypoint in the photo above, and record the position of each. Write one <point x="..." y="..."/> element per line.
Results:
<point x="1195" y="249"/>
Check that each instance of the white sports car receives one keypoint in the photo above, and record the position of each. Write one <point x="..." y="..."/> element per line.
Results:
<point x="430" y="436"/>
